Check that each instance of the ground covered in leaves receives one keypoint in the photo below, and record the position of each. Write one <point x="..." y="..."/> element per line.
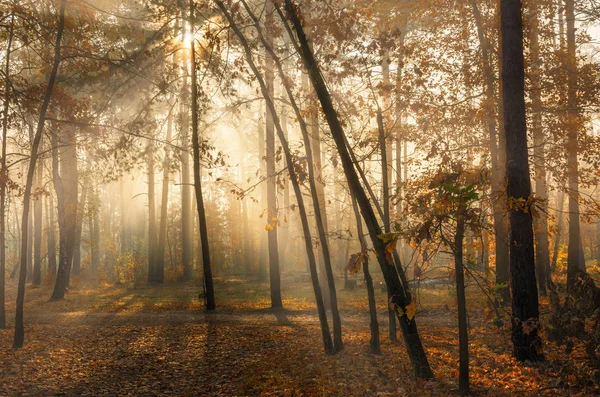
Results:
<point x="113" y="340"/>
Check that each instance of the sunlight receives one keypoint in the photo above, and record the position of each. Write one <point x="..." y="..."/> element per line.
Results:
<point x="235" y="197"/>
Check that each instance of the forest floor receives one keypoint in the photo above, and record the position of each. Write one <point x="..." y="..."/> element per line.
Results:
<point x="157" y="340"/>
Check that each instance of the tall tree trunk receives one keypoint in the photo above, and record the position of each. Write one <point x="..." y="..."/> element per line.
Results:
<point x="263" y="250"/>
<point x="313" y="178"/>
<point x="401" y="295"/>
<point x="386" y="208"/>
<point x="463" y="331"/>
<point x="164" y="204"/>
<point x="274" y="276"/>
<point x="30" y="244"/>
<point x="37" y="241"/>
<point x="94" y="213"/>
<point x="19" y="329"/>
<point x="50" y="209"/>
<point x="152" y="235"/>
<point x="374" y="343"/>
<point x="247" y="243"/>
<point x="575" y="260"/>
<point x="208" y="281"/>
<point x="399" y="129"/>
<point x="498" y="171"/>
<point x="329" y="348"/>
<point x="65" y="185"/>
<point x="187" y="215"/>
<point x="123" y="202"/>
<point x="4" y="176"/>
<point x="527" y="345"/>
<point x="284" y="214"/>
<point x="80" y="217"/>
<point x="542" y="252"/>
<point x="559" y="229"/>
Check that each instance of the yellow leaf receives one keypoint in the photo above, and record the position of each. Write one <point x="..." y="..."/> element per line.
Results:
<point x="411" y="310"/>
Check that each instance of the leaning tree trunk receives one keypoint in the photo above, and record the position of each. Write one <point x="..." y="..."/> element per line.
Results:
<point x="317" y="199"/>
<point x="526" y="344"/>
<point x="391" y="275"/>
<point x="208" y="281"/>
<point x="293" y="178"/>
<point x="19" y="329"/>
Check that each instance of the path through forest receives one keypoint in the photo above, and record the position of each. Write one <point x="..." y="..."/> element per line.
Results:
<point x="158" y="341"/>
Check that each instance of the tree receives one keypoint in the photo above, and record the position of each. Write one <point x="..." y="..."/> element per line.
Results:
<point x="575" y="259"/>
<point x="525" y="312"/>
<point x="542" y="252"/>
<point x="4" y="175"/>
<point x="187" y="221"/>
<point x="353" y="266"/>
<point x="37" y="228"/>
<point x="19" y="329"/>
<point x="208" y="281"/>
<point x="401" y="296"/>
<point x="497" y="154"/>
<point x="164" y="204"/>
<point x="274" y="273"/>
<point x="317" y="194"/>
<point x="328" y="345"/>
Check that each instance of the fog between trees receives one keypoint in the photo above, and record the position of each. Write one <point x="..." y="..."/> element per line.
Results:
<point x="355" y="148"/>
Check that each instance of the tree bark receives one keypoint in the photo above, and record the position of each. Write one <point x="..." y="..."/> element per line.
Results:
<point x="263" y="250"/>
<point x="386" y="209"/>
<point x="374" y="343"/>
<point x="575" y="260"/>
<point x="391" y="276"/>
<point x="94" y="213"/>
<point x="498" y="171"/>
<point x="37" y="228"/>
<point x="152" y="232"/>
<point x="187" y="216"/>
<point x="164" y="203"/>
<point x="463" y="331"/>
<point x="50" y="209"/>
<point x="80" y="217"/>
<point x="313" y="178"/>
<point x="208" y="281"/>
<point x="526" y="345"/>
<point x="542" y="252"/>
<point x="65" y="185"/>
<point x="4" y="176"/>
<point x="274" y="276"/>
<point x="19" y="329"/>
<point x="329" y="348"/>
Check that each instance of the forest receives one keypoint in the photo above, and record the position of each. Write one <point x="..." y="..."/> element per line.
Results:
<point x="300" y="198"/>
